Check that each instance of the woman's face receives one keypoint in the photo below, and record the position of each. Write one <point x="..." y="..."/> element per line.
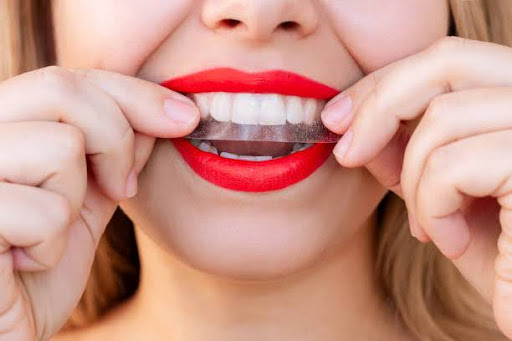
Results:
<point x="335" y="42"/>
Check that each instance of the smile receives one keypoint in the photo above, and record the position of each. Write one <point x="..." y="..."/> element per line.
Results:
<point x="265" y="99"/>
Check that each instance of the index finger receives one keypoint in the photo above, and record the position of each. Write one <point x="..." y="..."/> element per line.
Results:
<point x="149" y="108"/>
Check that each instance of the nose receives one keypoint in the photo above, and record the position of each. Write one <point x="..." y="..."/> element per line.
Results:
<point x="261" y="19"/>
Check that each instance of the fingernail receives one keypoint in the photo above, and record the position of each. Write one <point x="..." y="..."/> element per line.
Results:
<point x="339" y="113"/>
<point x="181" y="112"/>
<point x="343" y="145"/>
<point x="131" y="184"/>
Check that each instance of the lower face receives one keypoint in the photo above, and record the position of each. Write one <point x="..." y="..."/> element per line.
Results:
<point x="249" y="235"/>
<point x="279" y="207"/>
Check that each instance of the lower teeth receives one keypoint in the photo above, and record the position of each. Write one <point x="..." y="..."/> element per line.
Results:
<point x="206" y="146"/>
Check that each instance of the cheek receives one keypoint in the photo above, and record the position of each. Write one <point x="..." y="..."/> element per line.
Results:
<point x="107" y="35"/>
<point x="380" y="32"/>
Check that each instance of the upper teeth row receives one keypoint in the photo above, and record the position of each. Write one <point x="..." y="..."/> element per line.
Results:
<point x="263" y="109"/>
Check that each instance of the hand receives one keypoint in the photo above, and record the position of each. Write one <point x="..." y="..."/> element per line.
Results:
<point x="436" y="128"/>
<point x="52" y="212"/>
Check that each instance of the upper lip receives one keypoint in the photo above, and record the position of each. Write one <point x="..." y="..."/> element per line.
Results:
<point x="232" y="80"/>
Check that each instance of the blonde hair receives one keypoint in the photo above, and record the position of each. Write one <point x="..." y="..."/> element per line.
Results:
<point x="428" y="294"/>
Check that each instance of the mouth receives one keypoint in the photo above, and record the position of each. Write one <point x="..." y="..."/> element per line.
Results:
<point x="264" y="99"/>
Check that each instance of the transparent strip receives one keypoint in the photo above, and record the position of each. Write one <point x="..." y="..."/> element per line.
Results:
<point x="316" y="132"/>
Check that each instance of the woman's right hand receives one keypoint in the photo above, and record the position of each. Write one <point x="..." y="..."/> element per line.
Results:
<point x="55" y="125"/>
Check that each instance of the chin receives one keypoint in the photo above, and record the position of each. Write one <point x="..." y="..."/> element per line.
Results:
<point x="248" y="246"/>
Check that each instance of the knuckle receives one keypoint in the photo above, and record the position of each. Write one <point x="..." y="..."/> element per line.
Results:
<point x="437" y="108"/>
<point x="377" y="95"/>
<point x="60" y="80"/>
<point x="71" y="142"/>
<point x="60" y="213"/>
<point x="378" y="87"/>
<point x="446" y="45"/>
<point x="438" y="162"/>
<point x="81" y="74"/>
<point x="442" y="55"/>
<point x="122" y="140"/>
<point x="439" y="114"/>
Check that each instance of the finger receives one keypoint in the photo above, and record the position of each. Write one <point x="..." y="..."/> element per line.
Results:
<point x="452" y="173"/>
<point x="387" y="166"/>
<point x="45" y="154"/>
<point x="449" y="118"/>
<point x="502" y="293"/>
<point x="35" y="220"/>
<point x="453" y="64"/>
<point x="338" y="113"/>
<point x="143" y="147"/>
<point x="74" y="98"/>
<point x="56" y="95"/>
<point x="149" y="108"/>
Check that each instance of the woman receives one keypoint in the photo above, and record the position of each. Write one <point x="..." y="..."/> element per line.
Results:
<point x="310" y="246"/>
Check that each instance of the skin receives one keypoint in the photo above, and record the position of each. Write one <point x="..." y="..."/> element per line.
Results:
<point x="227" y="271"/>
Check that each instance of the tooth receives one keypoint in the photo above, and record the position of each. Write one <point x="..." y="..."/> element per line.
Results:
<point x="273" y="111"/>
<point x="229" y="155"/>
<point x="247" y="157"/>
<point x="294" y="111"/>
<point x="263" y="158"/>
<point x="205" y="147"/>
<point x="310" y="110"/>
<point x="203" y="103"/>
<point x="246" y="109"/>
<point x="214" y="150"/>
<point x="221" y="106"/>
<point x="195" y="142"/>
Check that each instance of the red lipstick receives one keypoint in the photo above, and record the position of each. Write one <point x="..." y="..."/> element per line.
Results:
<point x="249" y="176"/>
<point x="269" y="82"/>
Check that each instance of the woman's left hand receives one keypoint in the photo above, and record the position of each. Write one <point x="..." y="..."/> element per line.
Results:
<point x="436" y="128"/>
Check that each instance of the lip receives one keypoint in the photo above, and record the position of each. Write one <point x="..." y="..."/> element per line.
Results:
<point x="271" y="82"/>
<point x="249" y="176"/>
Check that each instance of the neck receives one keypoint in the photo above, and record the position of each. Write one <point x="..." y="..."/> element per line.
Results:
<point x="337" y="298"/>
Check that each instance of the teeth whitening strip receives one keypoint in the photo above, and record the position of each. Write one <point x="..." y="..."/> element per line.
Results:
<point x="261" y="117"/>
<point x="316" y="132"/>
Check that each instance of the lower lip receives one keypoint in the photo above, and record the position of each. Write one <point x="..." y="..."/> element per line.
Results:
<point x="250" y="176"/>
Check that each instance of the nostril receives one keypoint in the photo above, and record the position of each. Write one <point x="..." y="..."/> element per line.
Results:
<point x="288" y="25"/>
<point x="229" y="23"/>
